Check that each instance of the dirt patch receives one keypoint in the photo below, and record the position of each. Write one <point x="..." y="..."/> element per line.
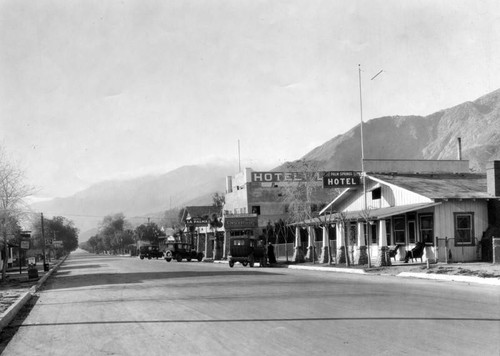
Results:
<point x="483" y="270"/>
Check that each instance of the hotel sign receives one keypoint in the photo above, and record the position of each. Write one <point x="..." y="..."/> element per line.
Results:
<point x="271" y="177"/>
<point x="341" y="179"/>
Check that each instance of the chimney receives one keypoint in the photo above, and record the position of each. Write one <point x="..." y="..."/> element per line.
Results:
<point x="493" y="178"/>
<point x="459" y="148"/>
<point x="229" y="184"/>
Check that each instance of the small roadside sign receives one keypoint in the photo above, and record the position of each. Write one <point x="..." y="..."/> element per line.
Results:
<point x="57" y="243"/>
<point x="25" y="244"/>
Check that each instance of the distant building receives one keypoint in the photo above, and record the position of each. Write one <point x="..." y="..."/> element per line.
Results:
<point x="201" y="230"/>
<point x="253" y="200"/>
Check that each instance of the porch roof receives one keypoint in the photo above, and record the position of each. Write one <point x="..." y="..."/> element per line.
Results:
<point x="374" y="214"/>
<point x="440" y="186"/>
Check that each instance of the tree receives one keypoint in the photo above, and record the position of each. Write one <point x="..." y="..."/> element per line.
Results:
<point x="305" y="198"/>
<point x="13" y="191"/>
<point x="218" y="200"/>
<point x="112" y="232"/>
<point x="63" y="230"/>
<point x="149" y="232"/>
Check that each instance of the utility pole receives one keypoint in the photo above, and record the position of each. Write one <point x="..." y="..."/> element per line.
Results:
<point x="43" y="243"/>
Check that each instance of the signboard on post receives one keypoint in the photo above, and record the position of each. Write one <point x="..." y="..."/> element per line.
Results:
<point x="57" y="243"/>
<point x="25" y="244"/>
<point x="341" y="179"/>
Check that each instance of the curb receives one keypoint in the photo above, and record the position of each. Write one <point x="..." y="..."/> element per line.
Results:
<point x="438" y="277"/>
<point x="452" y="278"/>
<point x="329" y="269"/>
<point x="7" y="316"/>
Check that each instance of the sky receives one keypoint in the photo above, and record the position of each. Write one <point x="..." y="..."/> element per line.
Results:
<point x="99" y="90"/>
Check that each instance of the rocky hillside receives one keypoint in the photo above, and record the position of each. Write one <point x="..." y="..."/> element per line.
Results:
<point x="435" y="136"/>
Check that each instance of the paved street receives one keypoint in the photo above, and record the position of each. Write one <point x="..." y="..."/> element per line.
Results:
<point x="109" y="305"/>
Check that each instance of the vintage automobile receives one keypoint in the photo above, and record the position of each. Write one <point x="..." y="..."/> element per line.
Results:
<point x="246" y="249"/>
<point x="150" y="252"/>
<point x="181" y="250"/>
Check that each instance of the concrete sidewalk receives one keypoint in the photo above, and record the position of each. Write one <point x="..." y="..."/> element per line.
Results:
<point x="362" y="271"/>
<point x="8" y="315"/>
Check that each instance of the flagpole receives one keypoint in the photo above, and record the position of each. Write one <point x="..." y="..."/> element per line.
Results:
<point x="363" y="174"/>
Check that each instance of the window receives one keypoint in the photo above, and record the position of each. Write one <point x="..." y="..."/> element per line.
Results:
<point x="256" y="209"/>
<point x="376" y="193"/>
<point x="427" y="229"/>
<point x="399" y="230"/>
<point x="388" y="231"/>
<point x="373" y="232"/>
<point x="464" y="228"/>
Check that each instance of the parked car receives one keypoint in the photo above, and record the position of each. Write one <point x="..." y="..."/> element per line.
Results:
<point x="150" y="252"/>
<point x="246" y="250"/>
<point x="180" y="251"/>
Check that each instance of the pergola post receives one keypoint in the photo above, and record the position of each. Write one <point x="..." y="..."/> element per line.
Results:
<point x="362" y="255"/>
<point x="325" y="250"/>
<point x="298" y="254"/>
<point x="341" y="248"/>
<point x="383" y="258"/>
<point x="311" y="248"/>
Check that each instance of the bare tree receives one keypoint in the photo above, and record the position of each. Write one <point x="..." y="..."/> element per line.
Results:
<point x="306" y="197"/>
<point x="13" y="191"/>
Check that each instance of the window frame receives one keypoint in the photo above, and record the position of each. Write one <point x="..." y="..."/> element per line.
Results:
<point x="395" y="232"/>
<point x="470" y="215"/>
<point x="421" y="230"/>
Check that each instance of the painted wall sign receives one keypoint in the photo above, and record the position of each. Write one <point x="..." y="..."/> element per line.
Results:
<point x="197" y="222"/>
<point x="341" y="179"/>
<point x="285" y="176"/>
<point x="240" y="222"/>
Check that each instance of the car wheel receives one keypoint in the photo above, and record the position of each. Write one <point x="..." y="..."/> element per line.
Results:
<point x="231" y="263"/>
<point x="168" y="259"/>
<point x="199" y="257"/>
<point x="244" y="263"/>
<point x="141" y="257"/>
<point x="188" y="259"/>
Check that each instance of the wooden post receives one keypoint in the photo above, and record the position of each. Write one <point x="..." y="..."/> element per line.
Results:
<point x="446" y="250"/>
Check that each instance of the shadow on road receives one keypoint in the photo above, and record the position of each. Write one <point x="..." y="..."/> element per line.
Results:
<point x="96" y="279"/>
<point x="64" y="267"/>
<point x="259" y="320"/>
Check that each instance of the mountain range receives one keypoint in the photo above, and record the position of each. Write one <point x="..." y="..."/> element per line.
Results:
<point x="476" y="123"/>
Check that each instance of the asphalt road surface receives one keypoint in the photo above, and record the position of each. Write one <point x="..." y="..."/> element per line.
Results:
<point x="109" y="305"/>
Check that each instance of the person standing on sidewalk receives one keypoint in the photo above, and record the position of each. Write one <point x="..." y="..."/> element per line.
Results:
<point x="270" y="254"/>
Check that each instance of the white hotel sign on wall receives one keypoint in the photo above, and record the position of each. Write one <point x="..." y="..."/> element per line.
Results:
<point x="272" y="177"/>
<point x="333" y="179"/>
<point x="341" y="179"/>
